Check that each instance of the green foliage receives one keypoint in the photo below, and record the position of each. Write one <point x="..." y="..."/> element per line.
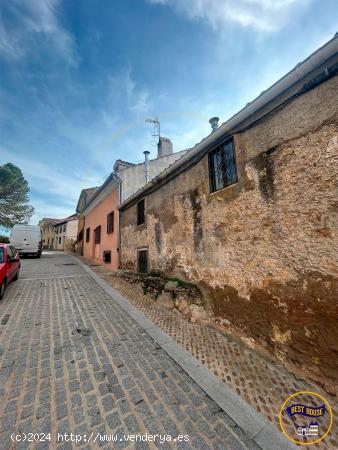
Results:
<point x="4" y="239"/>
<point x="14" y="201"/>
<point x="181" y="283"/>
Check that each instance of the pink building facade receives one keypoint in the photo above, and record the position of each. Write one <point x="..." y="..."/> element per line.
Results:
<point x="100" y="239"/>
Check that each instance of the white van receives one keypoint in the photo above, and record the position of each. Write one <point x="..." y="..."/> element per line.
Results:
<point x="27" y="239"/>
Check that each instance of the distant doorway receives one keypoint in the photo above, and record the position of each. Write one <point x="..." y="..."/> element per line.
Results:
<point x="142" y="260"/>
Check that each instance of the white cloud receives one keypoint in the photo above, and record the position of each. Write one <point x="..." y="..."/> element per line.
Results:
<point x="47" y="209"/>
<point x="32" y="21"/>
<point x="261" y="15"/>
<point x="135" y="98"/>
<point x="141" y="103"/>
<point x="64" y="188"/>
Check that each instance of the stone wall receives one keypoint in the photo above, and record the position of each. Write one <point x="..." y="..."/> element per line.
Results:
<point x="171" y="294"/>
<point x="80" y="228"/>
<point x="265" y="250"/>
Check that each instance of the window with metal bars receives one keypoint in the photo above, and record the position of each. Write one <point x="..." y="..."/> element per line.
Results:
<point x="222" y="166"/>
<point x="87" y="234"/>
<point x="140" y="212"/>
<point x="142" y="260"/>
<point x="110" y="222"/>
<point x="97" y="234"/>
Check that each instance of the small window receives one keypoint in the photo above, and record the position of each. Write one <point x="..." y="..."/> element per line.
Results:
<point x="60" y="240"/>
<point x="110" y="222"/>
<point x="64" y="228"/>
<point x="107" y="256"/>
<point x="142" y="260"/>
<point x="222" y="166"/>
<point x="87" y="234"/>
<point x="97" y="234"/>
<point x="140" y="212"/>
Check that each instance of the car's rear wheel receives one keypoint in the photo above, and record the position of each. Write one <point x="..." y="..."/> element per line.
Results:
<point x="2" y="289"/>
<point x="16" y="275"/>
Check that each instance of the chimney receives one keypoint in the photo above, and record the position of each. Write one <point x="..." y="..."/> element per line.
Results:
<point x="164" y="147"/>
<point x="214" y="123"/>
<point x="146" y="165"/>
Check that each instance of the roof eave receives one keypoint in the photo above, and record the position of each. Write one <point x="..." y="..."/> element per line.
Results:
<point x="111" y="177"/>
<point x="315" y="60"/>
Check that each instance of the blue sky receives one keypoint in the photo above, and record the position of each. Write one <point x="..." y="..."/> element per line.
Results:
<point x="79" y="78"/>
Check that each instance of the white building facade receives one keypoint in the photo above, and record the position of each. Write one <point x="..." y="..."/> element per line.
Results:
<point x="135" y="176"/>
<point x="66" y="233"/>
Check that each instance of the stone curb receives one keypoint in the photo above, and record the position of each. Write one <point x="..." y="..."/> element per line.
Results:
<point x="263" y="433"/>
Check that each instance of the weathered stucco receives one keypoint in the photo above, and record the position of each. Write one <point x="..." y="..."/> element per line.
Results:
<point x="264" y="251"/>
<point x="109" y="242"/>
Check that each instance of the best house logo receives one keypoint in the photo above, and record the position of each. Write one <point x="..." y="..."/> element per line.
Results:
<point x="305" y="417"/>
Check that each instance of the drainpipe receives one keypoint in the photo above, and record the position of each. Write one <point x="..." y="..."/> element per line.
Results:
<point x="146" y="165"/>
<point x="83" y="234"/>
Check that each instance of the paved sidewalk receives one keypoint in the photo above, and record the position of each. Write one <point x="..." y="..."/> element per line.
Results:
<point x="71" y="360"/>
<point x="262" y="383"/>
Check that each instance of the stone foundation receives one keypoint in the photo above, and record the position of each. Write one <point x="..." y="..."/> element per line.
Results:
<point x="296" y="322"/>
<point x="172" y="294"/>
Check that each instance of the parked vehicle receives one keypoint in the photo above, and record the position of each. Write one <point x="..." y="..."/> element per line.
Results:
<point x="9" y="266"/>
<point x="27" y="239"/>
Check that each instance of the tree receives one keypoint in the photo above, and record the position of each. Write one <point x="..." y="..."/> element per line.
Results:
<point x="14" y="201"/>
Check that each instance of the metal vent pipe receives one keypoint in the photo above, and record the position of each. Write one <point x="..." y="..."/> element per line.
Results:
<point x="146" y="165"/>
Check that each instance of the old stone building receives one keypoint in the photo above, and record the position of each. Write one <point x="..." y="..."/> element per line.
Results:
<point x="85" y="196"/>
<point x="66" y="233"/>
<point x="48" y="232"/>
<point x="98" y="234"/>
<point x="250" y="215"/>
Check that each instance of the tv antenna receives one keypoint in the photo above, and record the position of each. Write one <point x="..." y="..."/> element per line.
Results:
<point x="156" y="127"/>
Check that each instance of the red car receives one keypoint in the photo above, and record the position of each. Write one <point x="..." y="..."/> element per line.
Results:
<point x="9" y="266"/>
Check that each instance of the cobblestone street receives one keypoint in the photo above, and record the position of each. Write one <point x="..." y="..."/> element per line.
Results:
<point x="72" y="361"/>
<point x="263" y="383"/>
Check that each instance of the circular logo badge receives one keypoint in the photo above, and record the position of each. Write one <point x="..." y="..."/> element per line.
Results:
<point x="305" y="417"/>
